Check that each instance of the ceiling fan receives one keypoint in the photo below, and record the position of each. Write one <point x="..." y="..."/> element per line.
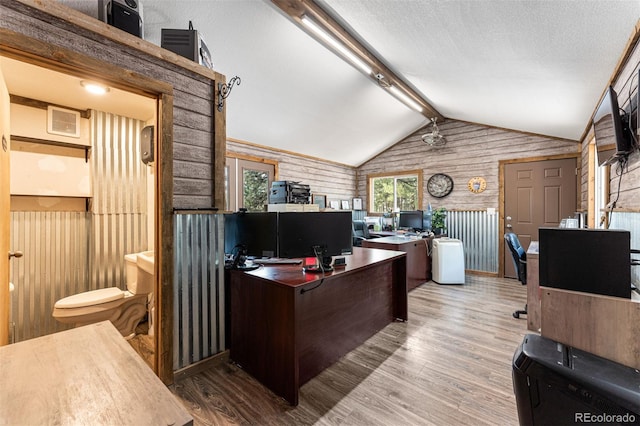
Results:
<point x="434" y="138"/>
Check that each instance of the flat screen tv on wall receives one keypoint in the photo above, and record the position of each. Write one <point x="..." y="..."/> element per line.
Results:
<point x="611" y="128"/>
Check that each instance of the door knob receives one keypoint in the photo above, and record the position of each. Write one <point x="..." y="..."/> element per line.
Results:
<point x="509" y="226"/>
<point x="15" y="254"/>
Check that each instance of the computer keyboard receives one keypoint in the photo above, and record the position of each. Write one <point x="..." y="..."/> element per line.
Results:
<point x="277" y="261"/>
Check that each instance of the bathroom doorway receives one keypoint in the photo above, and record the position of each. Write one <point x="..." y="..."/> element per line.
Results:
<point x="92" y="216"/>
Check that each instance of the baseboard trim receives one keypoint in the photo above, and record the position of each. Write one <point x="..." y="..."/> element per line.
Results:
<point x="200" y="366"/>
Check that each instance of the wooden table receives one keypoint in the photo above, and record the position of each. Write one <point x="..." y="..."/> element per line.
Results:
<point x="418" y="260"/>
<point x="87" y="375"/>
<point x="287" y="325"/>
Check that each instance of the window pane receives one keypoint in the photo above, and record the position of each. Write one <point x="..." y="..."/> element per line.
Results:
<point x="407" y="193"/>
<point x="256" y="189"/>
<point x="383" y="195"/>
<point x="394" y="192"/>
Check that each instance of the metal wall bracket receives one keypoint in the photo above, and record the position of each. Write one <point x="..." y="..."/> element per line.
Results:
<point x="224" y="90"/>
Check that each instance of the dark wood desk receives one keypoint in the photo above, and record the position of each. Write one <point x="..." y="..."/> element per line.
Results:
<point x="287" y="326"/>
<point x="86" y="375"/>
<point x="418" y="259"/>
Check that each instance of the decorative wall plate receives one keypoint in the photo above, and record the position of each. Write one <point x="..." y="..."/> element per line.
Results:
<point x="477" y="184"/>
<point x="440" y="185"/>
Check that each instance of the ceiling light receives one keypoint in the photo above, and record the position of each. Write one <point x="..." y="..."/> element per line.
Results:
<point x="335" y="44"/>
<point x="405" y="98"/>
<point x="95" y="88"/>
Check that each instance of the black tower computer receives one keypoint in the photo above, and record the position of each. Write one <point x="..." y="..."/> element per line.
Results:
<point x="559" y="385"/>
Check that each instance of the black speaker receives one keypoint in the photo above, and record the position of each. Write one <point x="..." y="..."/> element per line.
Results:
<point x="147" y="145"/>
<point x="123" y="14"/>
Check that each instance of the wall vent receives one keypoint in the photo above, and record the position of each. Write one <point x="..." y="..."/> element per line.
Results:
<point x="63" y="122"/>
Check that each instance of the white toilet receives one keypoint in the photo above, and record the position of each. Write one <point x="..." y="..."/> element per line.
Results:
<point x="124" y="309"/>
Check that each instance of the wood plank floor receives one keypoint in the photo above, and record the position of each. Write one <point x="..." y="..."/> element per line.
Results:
<point x="449" y="364"/>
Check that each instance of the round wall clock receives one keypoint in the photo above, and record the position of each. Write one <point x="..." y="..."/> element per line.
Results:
<point x="440" y="185"/>
<point x="477" y="184"/>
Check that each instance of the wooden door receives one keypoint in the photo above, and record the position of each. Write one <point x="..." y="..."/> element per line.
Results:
<point x="4" y="212"/>
<point x="536" y="194"/>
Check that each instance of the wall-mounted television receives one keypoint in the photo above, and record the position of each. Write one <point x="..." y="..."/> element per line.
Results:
<point x="611" y="127"/>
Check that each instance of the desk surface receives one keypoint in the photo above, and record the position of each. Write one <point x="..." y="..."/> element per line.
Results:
<point x="86" y="375"/>
<point x="294" y="276"/>
<point x="396" y="239"/>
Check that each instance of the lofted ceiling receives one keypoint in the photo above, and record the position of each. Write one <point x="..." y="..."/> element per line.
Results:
<point x="537" y="66"/>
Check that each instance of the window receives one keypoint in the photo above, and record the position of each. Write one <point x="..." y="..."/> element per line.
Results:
<point x="247" y="183"/>
<point x="597" y="190"/>
<point x="400" y="191"/>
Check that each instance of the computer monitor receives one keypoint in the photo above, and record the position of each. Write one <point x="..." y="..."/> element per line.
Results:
<point x="411" y="219"/>
<point x="300" y="232"/>
<point x="257" y="232"/>
<point x="588" y="260"/>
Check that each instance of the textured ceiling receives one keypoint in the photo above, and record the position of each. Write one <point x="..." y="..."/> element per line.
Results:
<point x="538" y="66"/>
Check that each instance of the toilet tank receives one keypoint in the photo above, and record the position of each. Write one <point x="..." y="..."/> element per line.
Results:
<point x="145" y="281"/>
<point x="131" y="269"/>
<point x="139" y="272"/>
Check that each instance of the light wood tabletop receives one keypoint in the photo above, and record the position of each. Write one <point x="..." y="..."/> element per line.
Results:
<point x="86" y="375"/>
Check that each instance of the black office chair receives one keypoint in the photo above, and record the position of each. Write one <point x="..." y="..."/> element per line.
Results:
<point x="360" y="232"/>
<point x="519" y="262"/>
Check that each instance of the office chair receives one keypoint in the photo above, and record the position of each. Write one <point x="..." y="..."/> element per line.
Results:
<point x="360" y="232"/>
<point x="519" y="262"/>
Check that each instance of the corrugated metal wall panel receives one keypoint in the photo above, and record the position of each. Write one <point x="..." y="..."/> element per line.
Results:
<point x="631" y="222"/>
<point x="54" y="265"/>
<point x="198" y="287"/>
<point x="118" y="173"/>
<point x="119" y="204"/>
<point x="478" y="232"/>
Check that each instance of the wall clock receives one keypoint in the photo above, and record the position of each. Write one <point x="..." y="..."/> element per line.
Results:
<point x="440" y="185"/>
<point x="477" y="184"/>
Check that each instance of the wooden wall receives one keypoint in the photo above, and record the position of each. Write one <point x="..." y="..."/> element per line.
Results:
<point x="625" y="82"/>
<point x="336" y="181"/>
<point x="471" y="150"/>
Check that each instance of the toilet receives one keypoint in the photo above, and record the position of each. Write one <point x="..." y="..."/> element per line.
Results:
<point x="124" y="309"/>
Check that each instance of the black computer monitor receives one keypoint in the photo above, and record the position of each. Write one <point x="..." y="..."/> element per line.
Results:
<point x="588" y="260"/>
<point x="411" y="219"/>
<point x="300" y="232"/>
<point x="257" y="232"/>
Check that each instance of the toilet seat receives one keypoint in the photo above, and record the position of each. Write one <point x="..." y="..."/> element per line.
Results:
<point x="89" y="298"/>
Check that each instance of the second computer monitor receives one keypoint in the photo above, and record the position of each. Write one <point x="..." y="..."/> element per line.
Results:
<point x="412" y="220"/>
<point x="300" y="232"/>
<point x="256" y="232"/>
